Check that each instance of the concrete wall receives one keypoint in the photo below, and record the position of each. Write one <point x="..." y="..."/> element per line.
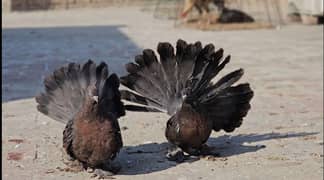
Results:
<point x="5" y="5"/>
<point x="308" y="7"/>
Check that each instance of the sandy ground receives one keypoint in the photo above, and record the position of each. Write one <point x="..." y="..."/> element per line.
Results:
<point x="281" y="138"/>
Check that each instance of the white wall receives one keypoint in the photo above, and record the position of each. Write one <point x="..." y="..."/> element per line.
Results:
<point x="309" y="7"/>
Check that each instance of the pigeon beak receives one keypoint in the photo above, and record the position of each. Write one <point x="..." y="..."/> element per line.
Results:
<point x="95" y="98"/>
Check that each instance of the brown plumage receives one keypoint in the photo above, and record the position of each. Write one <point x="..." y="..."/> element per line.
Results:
<point x="195" y="128"/>
<point x="202" y="6"/>
<point x="180" y="85"/>
<point x="87" y="99"/>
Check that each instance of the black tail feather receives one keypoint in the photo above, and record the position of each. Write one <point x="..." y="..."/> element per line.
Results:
<point x="87" y="73"/>
<point x="101" y="76"/>
<point x="186" y="59"/>
<point x="168" y="62"/>
<point x="210" y="70"/>
<point x="141" y="108"/>
<point x="210" y="92"/>
<point x="132" y="97"/>
<point x="228" y="108"/>
<point x="110" y="98"/>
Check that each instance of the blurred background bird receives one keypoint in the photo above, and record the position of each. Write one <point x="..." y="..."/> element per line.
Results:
<point x="202" y="7"/>
<point x="226" y="15"/>
<point x="86" y="98"/>
<point x="180" y="84"/>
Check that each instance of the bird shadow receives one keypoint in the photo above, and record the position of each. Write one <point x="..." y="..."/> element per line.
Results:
<point x="150" y="157"/>
<point x="145" y="158"/>
<point x="228" y="145"/>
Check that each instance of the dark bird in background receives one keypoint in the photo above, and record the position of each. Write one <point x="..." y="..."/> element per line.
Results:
<point x="227" y="15"/>
<point x="180" y="85"/>
<point x="87" y="99"/>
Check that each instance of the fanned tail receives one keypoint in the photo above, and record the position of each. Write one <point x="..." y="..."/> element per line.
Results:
<point x="69" y="86"/>
<point x="65" y="90"/>
<point x="223" y="104"/>
<point x="228" y="108"/>
<point x="187" y="76"/>
<point x="161" y="83"/>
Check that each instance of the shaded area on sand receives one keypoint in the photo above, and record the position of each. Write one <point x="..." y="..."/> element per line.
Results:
<point x="31" y="53"/>
<point x="150" y="157"/>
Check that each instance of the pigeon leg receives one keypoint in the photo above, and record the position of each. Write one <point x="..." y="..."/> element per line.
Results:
<point x="205" y="150"/>
<point x="102" y="174"/>
<point x="107" y="170"/>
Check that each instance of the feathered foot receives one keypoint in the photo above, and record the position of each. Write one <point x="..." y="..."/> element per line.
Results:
<point x="176" y="154"/>
<point x="106" y="171"/>
<point x="73" y="165"/>
<point x="205" y="150"/>
<point x="102" y="174"/>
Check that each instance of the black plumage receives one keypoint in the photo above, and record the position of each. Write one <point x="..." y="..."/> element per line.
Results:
<point x="87" y="99"/>
<point x="228" y="15"/>
<point x="180" y="84"/>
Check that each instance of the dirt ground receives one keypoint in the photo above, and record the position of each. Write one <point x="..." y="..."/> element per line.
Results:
<point x="281" y="138"/>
